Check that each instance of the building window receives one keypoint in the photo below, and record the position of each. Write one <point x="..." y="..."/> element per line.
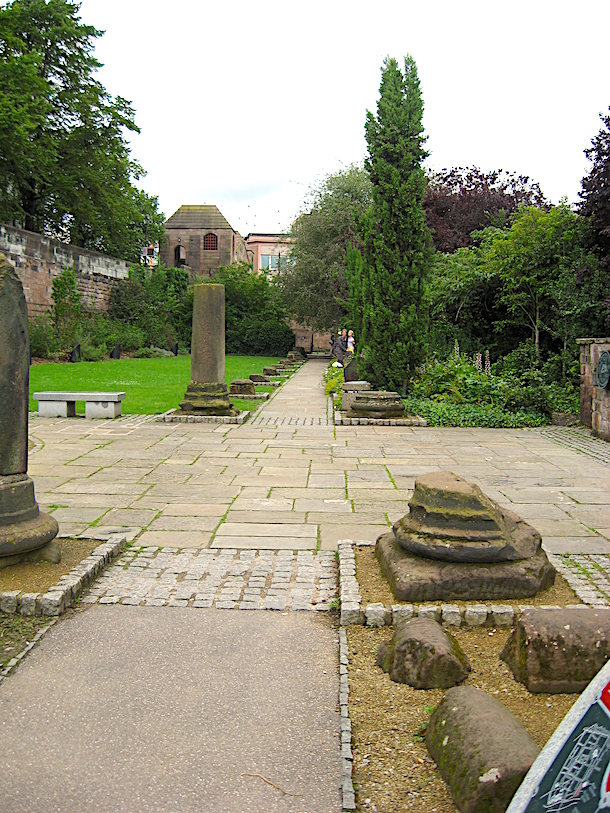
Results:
<point x="179" y="256"/>
<point x="268" y="262"/>
<point x="210" y="242"/>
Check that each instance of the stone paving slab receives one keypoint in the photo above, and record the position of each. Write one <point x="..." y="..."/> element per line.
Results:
<point x="155" y="710"/>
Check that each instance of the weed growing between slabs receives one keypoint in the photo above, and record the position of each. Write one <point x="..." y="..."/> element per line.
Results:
<point x="152" y="385"/>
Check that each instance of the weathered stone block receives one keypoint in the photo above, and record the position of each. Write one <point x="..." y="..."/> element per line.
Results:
<point x="351" y="614"/>
<point x="558" y="650"/>
<point x="29" y="604"/>
<point x="242" y="386"/>
<point x="475" y="615"/>
<point x="423" y="655"/>
<point x="8" y="601"/>
<point x="414" y="578"/>
<point x="375" y="615"/>
<point x="482" y="751"/>
<point x="402" y="612"/>
<point x="502" y="615"/>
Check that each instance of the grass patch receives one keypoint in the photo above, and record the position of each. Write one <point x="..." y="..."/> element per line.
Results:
<point x="152" y="385"/>
<point x="15" y="633"/>
<point x="37" y="577"/>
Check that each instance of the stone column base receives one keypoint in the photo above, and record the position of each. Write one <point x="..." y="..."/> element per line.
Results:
<point x="207" y="399"/>
<point x="23" y="528"/>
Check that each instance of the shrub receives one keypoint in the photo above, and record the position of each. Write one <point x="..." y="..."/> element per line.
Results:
<point x="43" y="340"/>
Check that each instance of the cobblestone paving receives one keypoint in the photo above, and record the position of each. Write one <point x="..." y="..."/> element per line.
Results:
<point x="580" y="440"/>
<point x="587" y="574"/>
<point x="224" y="579"/>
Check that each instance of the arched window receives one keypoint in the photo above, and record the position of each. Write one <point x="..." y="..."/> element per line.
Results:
<point x="179" y="256"/>
<point x="210" y="242"/>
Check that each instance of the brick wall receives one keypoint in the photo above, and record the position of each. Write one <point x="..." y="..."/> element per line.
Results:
<point x="39" y="259"/>
<point x="594" y="401"/>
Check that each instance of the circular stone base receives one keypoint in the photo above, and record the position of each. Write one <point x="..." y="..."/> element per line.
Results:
<point x="22" y="537"/>
<point x="414" y="579"/>
<point x="48" y="553"/>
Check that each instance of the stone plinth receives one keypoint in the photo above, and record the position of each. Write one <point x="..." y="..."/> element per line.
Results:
<point x="350" y="390"/>
<point x="242" y="386"/>
<point x="24" y="531"/>
<point x="376" y="404"/>
<point x="458" y="544"/>
<point x="207" y="392"/>
<point x="594" y="400"/>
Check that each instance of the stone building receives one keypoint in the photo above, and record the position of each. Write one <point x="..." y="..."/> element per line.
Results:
<point x="201" y="239"/>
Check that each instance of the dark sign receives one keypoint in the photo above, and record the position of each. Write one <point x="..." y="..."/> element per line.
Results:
<point x="572" y="773"/>
<point x="603" y="370"/>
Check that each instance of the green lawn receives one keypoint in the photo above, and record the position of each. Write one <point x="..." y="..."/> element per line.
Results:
<point x="152" y="385"/>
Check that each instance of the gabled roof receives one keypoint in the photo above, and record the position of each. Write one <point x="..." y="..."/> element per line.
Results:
<point x="197" y="217"/>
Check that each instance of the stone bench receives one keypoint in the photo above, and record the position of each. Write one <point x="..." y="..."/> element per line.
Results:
<point x="63" y="404"/>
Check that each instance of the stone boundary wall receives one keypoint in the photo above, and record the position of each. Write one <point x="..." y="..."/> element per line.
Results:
<point x="39" y="259"/>
<point x="594" y="401"/>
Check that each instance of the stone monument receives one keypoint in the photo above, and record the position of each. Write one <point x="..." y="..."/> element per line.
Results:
<point x="207" y="392"/>
<point x="25" y="532"/>
<point x="458" y="544"/>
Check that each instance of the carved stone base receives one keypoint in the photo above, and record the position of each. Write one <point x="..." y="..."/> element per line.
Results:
<point x="48" y="553"/>
<point x="376" y="404"/>
<point x="23" y="528"/>
<point x="207" y="399"/>
<point x="414" y="579"/>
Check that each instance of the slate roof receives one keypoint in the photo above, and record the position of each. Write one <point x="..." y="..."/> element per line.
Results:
<point x="198" y="217"/>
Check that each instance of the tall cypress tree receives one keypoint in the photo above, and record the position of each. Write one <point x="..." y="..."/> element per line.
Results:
<point x="398" y="244"/>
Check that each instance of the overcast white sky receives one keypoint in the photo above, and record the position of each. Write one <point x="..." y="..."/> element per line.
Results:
<point x="246" y="104"/>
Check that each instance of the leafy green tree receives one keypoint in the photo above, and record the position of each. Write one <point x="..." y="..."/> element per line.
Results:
<point x="65" y="166"/>
<point x="595" y="194"/>
<point x="398" y="246"/>
<point x="539" y="262"/>
<point x="255" y="319"/>
<point x="313" y="285"/>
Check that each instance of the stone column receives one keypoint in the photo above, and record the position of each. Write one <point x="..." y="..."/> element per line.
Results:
<point x="25" y="532"/>
<point x="207" y="392"/>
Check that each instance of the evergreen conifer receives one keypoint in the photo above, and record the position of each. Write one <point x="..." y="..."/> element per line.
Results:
<point x="398" y="245"/>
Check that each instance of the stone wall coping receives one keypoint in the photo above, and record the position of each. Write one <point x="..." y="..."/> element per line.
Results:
<point x="593" y="341"/>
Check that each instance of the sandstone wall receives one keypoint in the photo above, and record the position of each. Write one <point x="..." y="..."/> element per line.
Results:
<point x="39" y="259"/>
<point x="594" y="401"/>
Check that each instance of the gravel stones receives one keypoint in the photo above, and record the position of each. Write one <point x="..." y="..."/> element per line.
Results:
<point x="558" y="650"/>
<point x="458" y="544"/>
<point x="482" y="751"/>
<point x="423" y="655"/>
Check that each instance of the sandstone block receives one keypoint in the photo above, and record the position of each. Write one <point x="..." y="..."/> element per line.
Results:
<point x="423" y="655"/>
<point x="482" y="751"/>
<point x="242" y="386"/>
<point x="415" y="579"/>
<point x="558" y="650"/>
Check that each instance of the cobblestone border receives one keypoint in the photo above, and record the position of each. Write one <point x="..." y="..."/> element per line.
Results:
<point x="341" y="419"/>
<point x="31" y="644"/>
<point x="376" y="614"/>
<point x="62" y="595"/>
<point x="258" y="396"/>
<point x="349" y="801"/>
<point x="171" y="417"/>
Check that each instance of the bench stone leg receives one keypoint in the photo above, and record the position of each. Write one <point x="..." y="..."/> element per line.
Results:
<point x="57" y="409"/>
<point x="102" y="409"/>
